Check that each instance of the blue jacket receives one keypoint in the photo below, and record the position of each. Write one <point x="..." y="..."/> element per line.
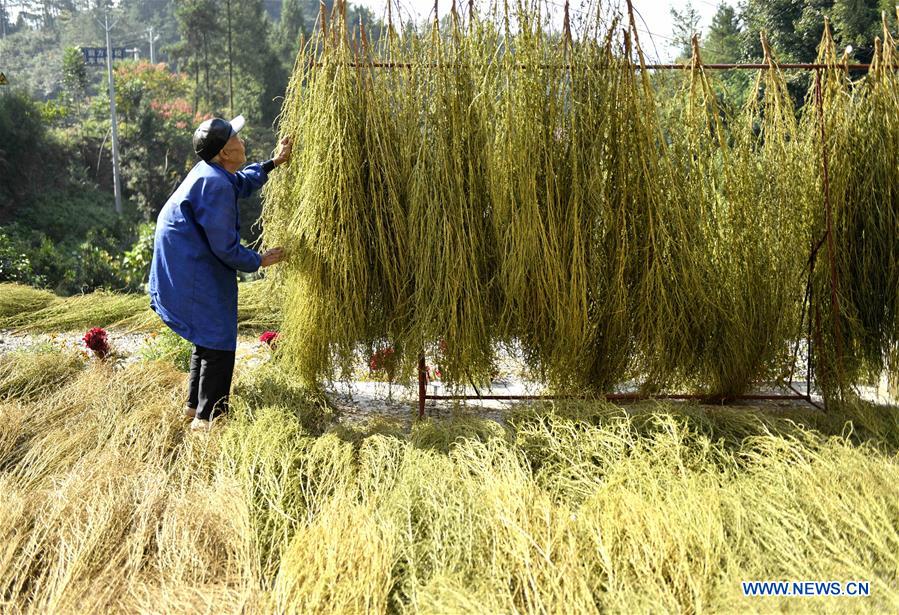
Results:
<point x="197" y="253"/>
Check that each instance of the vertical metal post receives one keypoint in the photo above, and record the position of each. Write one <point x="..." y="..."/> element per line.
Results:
<point x="808" y="337"/>
<point x="153" y="40"/>
<point x="422" y="385"/>
<point x="116" y="180"/>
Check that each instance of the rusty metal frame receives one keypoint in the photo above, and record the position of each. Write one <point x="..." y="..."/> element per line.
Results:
<point x="806" y="314"/>
<point x="806" y="396"/>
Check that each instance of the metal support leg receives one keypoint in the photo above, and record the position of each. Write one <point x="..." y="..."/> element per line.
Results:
<point x="422" y="385"/>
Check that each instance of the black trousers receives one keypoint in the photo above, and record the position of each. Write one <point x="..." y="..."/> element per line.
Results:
<point x="210" y="381"/>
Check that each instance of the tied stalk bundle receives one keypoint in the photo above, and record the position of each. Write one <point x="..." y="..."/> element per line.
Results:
<point x="858" y="264"/>
<point x="539" y="226"/>
<point x="451" y="226"/>
<point x="597" y="229"/>
<point x="483" y="183"/>
<point x="648" y="282"/>
<point x="320" y="212"/>
<point x="749" y="189"/>
<point x="772" y="198"/>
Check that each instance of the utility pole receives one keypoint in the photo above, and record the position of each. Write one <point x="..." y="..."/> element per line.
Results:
<point x="3" y="16"/>
<point x="230" y="71"/>
<point x="153" y="40"/>
<point x="116" y="180"/>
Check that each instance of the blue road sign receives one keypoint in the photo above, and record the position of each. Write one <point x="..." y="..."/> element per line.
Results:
<point x="96" y="56"/>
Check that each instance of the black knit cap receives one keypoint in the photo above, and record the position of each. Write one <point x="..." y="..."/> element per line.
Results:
<point x="210" y="137"/>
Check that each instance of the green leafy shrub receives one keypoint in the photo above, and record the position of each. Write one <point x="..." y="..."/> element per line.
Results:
<point x="136" y="261"/>
<point x="73" y="213"/>
<point x="23" y="152"/>
<point x="15" y="261"/>
<point x="170" y="347"/>
<point x="77" y="265"/>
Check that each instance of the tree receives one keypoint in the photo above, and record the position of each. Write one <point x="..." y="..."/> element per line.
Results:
<point x="45" y="12"/>
<point x="809" y="28"/>
<point x="794" y="30"/>
<point x="23" y="147"/>
<point x="857" y="23"/>
<point x="33" y="59"/>
<point x="74" y="78"/>
<point x="202" y="50"/>
<point x="724" y="41"/>
<point x="259" y="76"/>
<point x="156" y="122"/>
<point x="286" y="37"/>
<point x="6" y="25"/>
<point x="724" y="45"/>
<point x="373" y="27"/>
<point x="158" y="14"/>
<point x="780" y="20"/>
<point x="685" y="25"/>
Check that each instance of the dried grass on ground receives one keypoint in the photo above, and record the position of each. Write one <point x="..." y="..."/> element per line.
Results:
<point x="28" y="310"/>
<point x="110" y="505"/>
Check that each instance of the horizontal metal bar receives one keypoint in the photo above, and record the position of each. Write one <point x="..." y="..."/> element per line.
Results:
<point x="801" y="66"/>
<point x="622" y="397"/>
<point x="501" y="397"/>
<point x="788" y="66"/>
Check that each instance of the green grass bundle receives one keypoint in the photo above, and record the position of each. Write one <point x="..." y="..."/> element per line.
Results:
<point x="770" y="195"/>
<point x="96" y="309"/>
<point x="31" y="310"/>
<point x="750" y="190"/>
<point x="643" y="242"/>
<point x="319" y="212"/>
<point x="577" y="507"/>
<point x="386" y="168"/>
<point x="857" y="274"/>
<point x="32" y="373"/>
<point x="542" y="269"/>
<point x="451" y="228"/>
<point x="489" y="184"/>
<point x="258" y="306"/>
<point x="18" y="299"/>
<point x="600" y="284"/>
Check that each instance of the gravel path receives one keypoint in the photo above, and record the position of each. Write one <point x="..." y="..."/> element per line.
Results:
<point x="128" y="344"/>
<point x="250" y="351"/>
<point x="361" y="399"/>
<point x="357" y="401"/>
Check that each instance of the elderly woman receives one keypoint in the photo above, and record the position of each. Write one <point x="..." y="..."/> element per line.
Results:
<point x="196" y="257"/>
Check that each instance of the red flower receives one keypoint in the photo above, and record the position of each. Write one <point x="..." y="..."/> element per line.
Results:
<point x="96" y="341"/>
<point x="269" y="337"/>
<point x="383" y="359"/>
